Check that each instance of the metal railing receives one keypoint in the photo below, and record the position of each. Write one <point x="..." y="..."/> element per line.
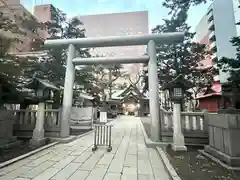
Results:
<point x="102" y="137"/>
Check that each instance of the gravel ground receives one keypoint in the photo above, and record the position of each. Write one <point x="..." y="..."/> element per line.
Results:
<point x="10" y="153"/>
<point x="192" y="165"/>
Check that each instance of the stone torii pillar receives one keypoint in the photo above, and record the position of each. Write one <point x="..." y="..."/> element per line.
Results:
<point x="153" y="91"/>
<point x="68" y="92"/>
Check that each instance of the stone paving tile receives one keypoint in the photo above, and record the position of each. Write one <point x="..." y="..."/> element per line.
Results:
<point x="14" y="166"/>
<point x="78" y="152"/>
<point x="37" y="170"/>
<point x="41" y="159"/>
<point x="146" y="177"/>
<point x="59" y="156"/>
<point x="144" y="167"/>
<point x="129" y="159"/>
<point x="79" y="175"/>
<point x="15" y="173"/>
<point x="64" y="162"/>
<point x="106" y="159"/>
<point x="67" y="171"/>
<point x="83" y="157"/>
<point x="50" y="172"/>
<point x="97" y="173"/>
<point x="158" y="167"/>
<point x="129" y="177"/>
<point x="112" y="176"/>
<point x="129" y="170"/>
<point x="93" y="160"/>
<point x="39" y="154"/>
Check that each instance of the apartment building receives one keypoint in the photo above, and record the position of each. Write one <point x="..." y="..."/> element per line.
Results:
<point x="118" y="24"/>
<point x="216" y="29"/>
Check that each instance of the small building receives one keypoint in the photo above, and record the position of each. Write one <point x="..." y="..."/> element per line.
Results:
<point x="130" y="101"/>
<point x="210" y="98"/>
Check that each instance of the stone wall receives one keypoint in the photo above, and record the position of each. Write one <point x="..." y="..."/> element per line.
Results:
<point x="224" y="133"/>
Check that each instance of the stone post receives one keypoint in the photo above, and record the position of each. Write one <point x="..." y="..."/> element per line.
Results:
<point x="38" y="133"/>
<point x="178" y="138"/>
<point x="68" y="93"/>
<point x="153" y="91"/>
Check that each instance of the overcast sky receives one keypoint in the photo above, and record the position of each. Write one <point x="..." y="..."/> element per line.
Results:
<point x="87" y="7"/>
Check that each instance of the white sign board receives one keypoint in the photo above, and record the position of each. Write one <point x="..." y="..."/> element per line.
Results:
<point x="103" y="117"/>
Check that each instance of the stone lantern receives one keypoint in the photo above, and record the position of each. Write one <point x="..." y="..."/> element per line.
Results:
<point x="44" y="94"/>
<point x="230" y="96"/>
<point x="176" y="89"/>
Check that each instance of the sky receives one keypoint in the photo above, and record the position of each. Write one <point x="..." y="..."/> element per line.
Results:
<point x="89" y="7"/>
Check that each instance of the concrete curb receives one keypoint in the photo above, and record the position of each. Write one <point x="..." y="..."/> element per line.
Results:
<point x="167" y="164"/>
<point x="149" y="143"/>
<point x="159" y="146"/>
<point x="11" y="161"/>
<point x="217" y="161"/>
<point x="70" y="138"/>
<point x="85" y="134"/>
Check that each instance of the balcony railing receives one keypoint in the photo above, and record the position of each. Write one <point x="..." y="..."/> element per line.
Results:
<point x="212" y="36"/>
<point x="213" y="46"/>
<point x="211" y="26"/>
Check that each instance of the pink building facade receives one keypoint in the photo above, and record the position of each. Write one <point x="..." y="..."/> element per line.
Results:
<point x="43" y="13"/>
<point x="118" y="24"/>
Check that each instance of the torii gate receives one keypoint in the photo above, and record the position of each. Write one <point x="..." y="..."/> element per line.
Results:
<point x="133" y="40"/>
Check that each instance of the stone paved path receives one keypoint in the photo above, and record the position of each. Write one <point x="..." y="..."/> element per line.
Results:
<point x="129" y="159"/>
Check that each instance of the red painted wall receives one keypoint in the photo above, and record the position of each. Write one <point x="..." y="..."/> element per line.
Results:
<point x="210" y="103"/>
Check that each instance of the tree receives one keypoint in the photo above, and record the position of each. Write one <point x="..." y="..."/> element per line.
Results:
<point x="182" y="58"/>
<point x="232" y="65"/>
<point x="106" y="76"/>
<point x="11" y="66"/>
<point x="52" y="65"/>
<point x="177" y="5"/>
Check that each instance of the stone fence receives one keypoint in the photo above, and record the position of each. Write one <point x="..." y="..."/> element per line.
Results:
<point x="194" y="126"/>
<point x="26" y="120"/>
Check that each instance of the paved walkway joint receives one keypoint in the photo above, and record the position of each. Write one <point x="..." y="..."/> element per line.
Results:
<point x="129" y="159"/>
